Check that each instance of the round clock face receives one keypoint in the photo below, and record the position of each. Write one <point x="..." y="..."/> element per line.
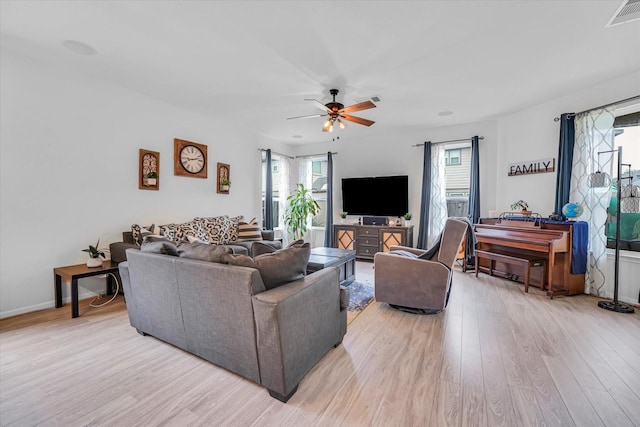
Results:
<point x="192" y="159"/>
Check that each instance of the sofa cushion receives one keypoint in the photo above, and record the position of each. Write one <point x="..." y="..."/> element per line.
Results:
<point x="249" y="231"/>
<point x="158" y="245"/>
<point x="203" y="252"/>
<point x="279" y="267"/>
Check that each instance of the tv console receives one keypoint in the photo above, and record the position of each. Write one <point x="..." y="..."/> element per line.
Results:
<point x="366" y="240"/>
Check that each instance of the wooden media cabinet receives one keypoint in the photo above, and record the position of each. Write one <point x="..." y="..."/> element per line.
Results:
<point x="366" y="240"/>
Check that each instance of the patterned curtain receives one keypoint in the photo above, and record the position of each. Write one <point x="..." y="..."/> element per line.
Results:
<point x="268" y="198"/>
<point x="433" y="206"/>
<point x="328" y="227"/>
<point x="438" y="205"/>
<point x="593" y="133"/>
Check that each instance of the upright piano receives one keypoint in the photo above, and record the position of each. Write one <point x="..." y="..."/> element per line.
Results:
<point x="551" y="240"/>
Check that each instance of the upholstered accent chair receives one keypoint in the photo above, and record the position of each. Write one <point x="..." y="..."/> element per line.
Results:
<point x="415" y="280"/>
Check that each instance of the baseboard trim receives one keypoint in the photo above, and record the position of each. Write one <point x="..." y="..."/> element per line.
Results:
<point x="45" y="305"/>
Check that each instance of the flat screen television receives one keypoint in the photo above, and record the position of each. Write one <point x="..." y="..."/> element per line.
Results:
<point x="376" y="196"/>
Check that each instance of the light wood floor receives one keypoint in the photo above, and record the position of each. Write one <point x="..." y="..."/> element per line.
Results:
<point x="495" y="357"/>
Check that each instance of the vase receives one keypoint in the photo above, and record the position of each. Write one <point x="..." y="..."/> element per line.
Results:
<point x="407" y="223"/>
<point x="94" y="262"/>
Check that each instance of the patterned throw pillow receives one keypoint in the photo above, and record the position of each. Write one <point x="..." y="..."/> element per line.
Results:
<point x="139" y="232"/>
<point x="219" y="230"/>
<point x="178" y="232"/>
<point x="249" y="232"/>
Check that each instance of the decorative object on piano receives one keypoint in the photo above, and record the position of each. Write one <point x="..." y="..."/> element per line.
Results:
<point x="516" y="219"/>
<point x="523" y="206"/>
<point x="615" y="305"/>
<point x="555" y="216"/>
<point x="572" y="210"/>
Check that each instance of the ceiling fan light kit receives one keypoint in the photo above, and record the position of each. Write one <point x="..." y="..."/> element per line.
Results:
<point x="337" y="112"/>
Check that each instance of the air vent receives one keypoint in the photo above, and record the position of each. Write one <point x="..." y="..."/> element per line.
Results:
<point x="376" y="98"/>
<point x="628" y="11"/>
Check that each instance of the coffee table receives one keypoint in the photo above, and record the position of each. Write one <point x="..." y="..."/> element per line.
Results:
<point x="72" y="273"/>
<point x="344" y="259"/>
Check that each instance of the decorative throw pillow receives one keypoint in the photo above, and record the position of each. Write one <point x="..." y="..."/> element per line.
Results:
<point x="158" y="245"/>
<point x="192" y="239"/>
<point x="279" y="267"/>
<point x="139" y="232"/>
<point x="178" y="232"/>
<point x="249" y="231"/>
<point x="203" y="252"/>
<point x="218" y="230"/>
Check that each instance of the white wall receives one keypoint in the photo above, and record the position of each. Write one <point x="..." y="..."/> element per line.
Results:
<point x="69" y="167"/>
<point x="394" y="154"/>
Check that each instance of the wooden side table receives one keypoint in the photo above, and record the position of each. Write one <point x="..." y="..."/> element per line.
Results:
<point x="72" y="273"/>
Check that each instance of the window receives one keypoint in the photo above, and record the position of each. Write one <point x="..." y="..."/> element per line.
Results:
<point x="457" y="174"/>
<point x="319" y="190"/>
<point x="627" y="136"/>
<point x="277" y="180"/>
<point x="452" y="157"/>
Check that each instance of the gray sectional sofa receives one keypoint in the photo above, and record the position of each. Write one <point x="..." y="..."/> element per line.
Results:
<point x="224" y="314"/>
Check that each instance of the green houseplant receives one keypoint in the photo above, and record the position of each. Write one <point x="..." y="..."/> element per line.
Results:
<point x="94" y="255"/>
<point x="522" y="206"/>
<point x="343" y="215"/>
<point x="407" y="219"/>
<point x="301" y="205"/>
<point x="152" y="178"/>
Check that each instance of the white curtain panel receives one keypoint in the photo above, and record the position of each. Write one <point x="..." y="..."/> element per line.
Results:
<point x="594" y="133"/>
<point x="284" y="166"/>
<point x="438" y="205"/>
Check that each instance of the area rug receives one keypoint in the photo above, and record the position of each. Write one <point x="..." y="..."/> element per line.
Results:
<point x="360" y="296"/>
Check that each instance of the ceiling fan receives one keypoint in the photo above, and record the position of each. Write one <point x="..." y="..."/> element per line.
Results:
<point x="336" y="113"/>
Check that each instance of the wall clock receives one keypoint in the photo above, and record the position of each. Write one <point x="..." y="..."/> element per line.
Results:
<point x="149" y="170"/>
<point x="189" y="158"/>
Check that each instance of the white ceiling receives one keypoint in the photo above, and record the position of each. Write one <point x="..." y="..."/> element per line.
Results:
<point x="258" y="61"/>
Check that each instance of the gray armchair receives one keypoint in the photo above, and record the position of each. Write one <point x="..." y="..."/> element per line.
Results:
<point x="414" y="284"/>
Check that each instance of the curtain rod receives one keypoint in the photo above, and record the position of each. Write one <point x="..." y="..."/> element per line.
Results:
<point x="611" y="104"/>
<point x="279" y="154"/>
<point x="444" y="142"/>
<point x="315" y="155"/>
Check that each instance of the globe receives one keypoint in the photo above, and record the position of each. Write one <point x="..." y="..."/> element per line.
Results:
<point x="572" y="210"/>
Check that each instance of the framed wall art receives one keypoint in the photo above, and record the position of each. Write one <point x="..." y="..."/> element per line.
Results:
<point x="149" y="170"/>
<point x="189" y="159"/>
<point x="223" y="178"/>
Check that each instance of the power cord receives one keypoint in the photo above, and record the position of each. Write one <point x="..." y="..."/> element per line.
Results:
<point x="115" y="294"/>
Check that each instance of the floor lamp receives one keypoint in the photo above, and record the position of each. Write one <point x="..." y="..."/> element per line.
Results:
<point x="614" y="305"/>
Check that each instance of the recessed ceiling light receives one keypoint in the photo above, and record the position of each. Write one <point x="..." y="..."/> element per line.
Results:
<point x="445" y="113"/>
<point x="296" y="136"/>
<point x="79" y="48"/>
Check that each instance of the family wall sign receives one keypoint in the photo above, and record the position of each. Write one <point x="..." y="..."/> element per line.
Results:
<point x="533" y="166"/>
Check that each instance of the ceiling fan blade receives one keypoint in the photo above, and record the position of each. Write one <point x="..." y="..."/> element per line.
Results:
<point x="306" y="117"/>
<point x="358" y="120"/>
<point x="318" y="104"/>
<point x="358" y="107"/>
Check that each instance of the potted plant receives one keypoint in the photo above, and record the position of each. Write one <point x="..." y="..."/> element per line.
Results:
<point x="343" y="215"/>
<point x="94" y="255"/>
<point x="301" y="205"/>
<point x="407" y="219"/>
<point x="225" y="184"/>
<point x="152" y="179"/>
<point x="522" y="206"/>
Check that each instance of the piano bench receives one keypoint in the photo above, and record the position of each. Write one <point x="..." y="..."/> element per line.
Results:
<point x="512" y="258"/>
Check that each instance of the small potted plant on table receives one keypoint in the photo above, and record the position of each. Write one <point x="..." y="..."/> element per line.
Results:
<point x="343" y="215"/>
<point x="407" y="219"/>
<point x="522" y="206"/>
<point x="94" y="255"/>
